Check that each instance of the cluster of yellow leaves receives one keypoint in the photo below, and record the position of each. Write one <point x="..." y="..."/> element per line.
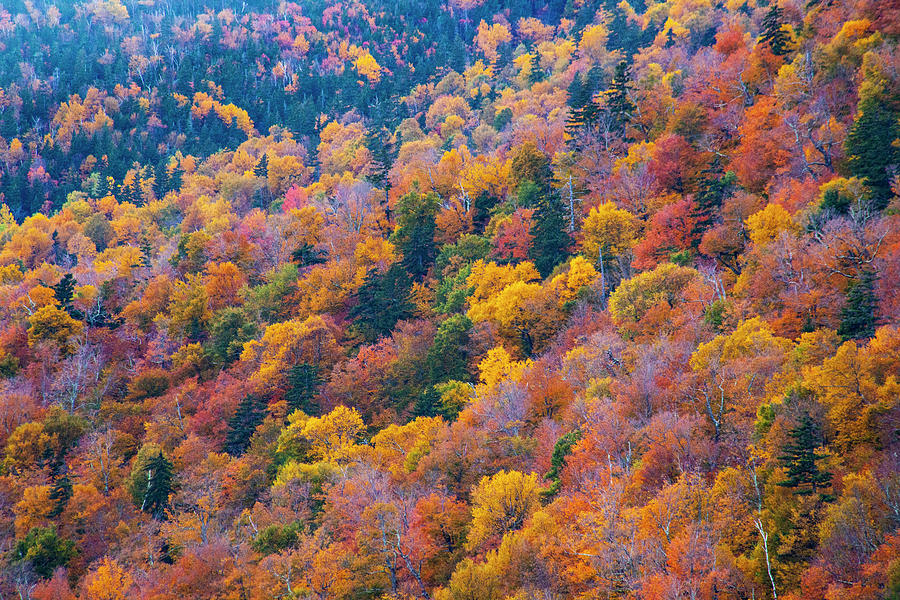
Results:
<point x="368" y="67"/>
<point x="580" y="274"/>
<point x="289" y="343"/>
<point x="489" y="38"/>
<point x="398" y="448"/>
<point x="229" y="114"/>
<point x="608" y="229"/>
<point x="49" y="323"/>
<point x="768" y="224"/>
<point x="331" y="437"/>
<point x="501" y="503"/>
<point x="635" y="296"/>
<point x="77" y="116"/>
<point x="498" y="366"/>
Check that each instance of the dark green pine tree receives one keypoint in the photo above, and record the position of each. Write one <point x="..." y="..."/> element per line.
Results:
<point x="871" y="149"/>
<point x="146" y="253"/>
<point x="243" y="423"/>
<point x="561" y="450"/>
<point x="303" y="383"/>
<point x="175" y="178"/>
<point x="60" y="494"/>
<point x="551" y="239"/>
<point x="414" y="235"/>
<point x="307" y="255"/>
<point x="382" y="300"/>
<point x="447" y="358"/>
<point x="772" y="33"/>
<point x="800" y="457"/>
<point x="160" y="180"/>
<point x="64" y="291"/>
<point x="262" y="167"/>
<point x="160" y="485"/>
<point x="537" y="73"/>
<point x="713" y="187"/>
<point x="858" y="315"/>
<point x="618" y="99"/>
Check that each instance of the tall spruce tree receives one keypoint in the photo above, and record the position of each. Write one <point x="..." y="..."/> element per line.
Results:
<point x="800" y="457"/>
<point x="243" y="423"/>
<point x="303" y="382"/>
<point x="414" y="235"/>
<point x="858" y="315"/>
<point x="60" y="494"/>
<point x="64" y="291"/>
<point x="772" y="34"/>
<point x="872" y="153"/>
<point x="551" y="240"/>
<point x="618" y="99"/>
<point x="160" y="485"/>
<point x="382" y="300"/>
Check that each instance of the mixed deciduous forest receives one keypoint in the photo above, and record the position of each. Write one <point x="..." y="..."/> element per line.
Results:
<point x="450" y="299"/>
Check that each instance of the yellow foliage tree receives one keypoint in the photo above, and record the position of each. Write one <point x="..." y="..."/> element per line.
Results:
<point x="608" y="229"/>
<point x="108" y="582"/>
<point x="635" y="296"/>
<point x="368" y="67"/>
<point x="289" y="343"/>
<point x="50" y="323"/>
<point x="501" y="503"/>
<point x="767" y="224"/>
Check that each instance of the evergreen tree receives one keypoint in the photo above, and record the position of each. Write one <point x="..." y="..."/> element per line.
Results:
<point x="243" y="423"/>
<point x="159" y="486"/>
<point x="858" y="315"/>
<point x="537" y="73"/>
<point x="64" y="291"/>
<point x="175" y="178"/>
<point x="303" y="382"/>
<point x="447" y="358"/>
<point x="800" y="457"/>
<point x="414" y="234"/>
<point x="382" y="300"/>
<point x="871" y="149"/>
<point x="307" y="255"/>
<point x="160" y="180"/>
<point x="60" y="494"/>
<point x="561" y="450"/>
<point x="713" y="188"/>
<point x="262" y="167"/>
<point x="773" y="35"/>
<point x="618" y="100"/>
<point x="551" y="239"/>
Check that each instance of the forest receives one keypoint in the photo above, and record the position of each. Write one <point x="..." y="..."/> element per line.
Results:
<point x="450" y="299"/>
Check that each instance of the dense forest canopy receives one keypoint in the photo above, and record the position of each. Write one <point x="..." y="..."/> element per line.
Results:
<point x="462" y="300"/>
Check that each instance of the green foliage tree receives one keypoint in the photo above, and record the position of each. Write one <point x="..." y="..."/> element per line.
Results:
<point x="303" y="381"/>
<point x="551" y="239"/>
<point x="243" y="423"/>
<point x="414" y="233"/>
<point x="773" y="35"/>
<point x="447" y="357"/>
<point x="151" y="482"/>
<point x="871" y="147"/>
<point x="858" y="317"/>
<point x="60" y="494"/>
<point x="619" y="97"/>
<point x="382" y="300"/>
<point x="800" y="457"/>
<point x="44" y="550"/>
<point x="230" y="328"/>
<point x="561" y="450"/>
